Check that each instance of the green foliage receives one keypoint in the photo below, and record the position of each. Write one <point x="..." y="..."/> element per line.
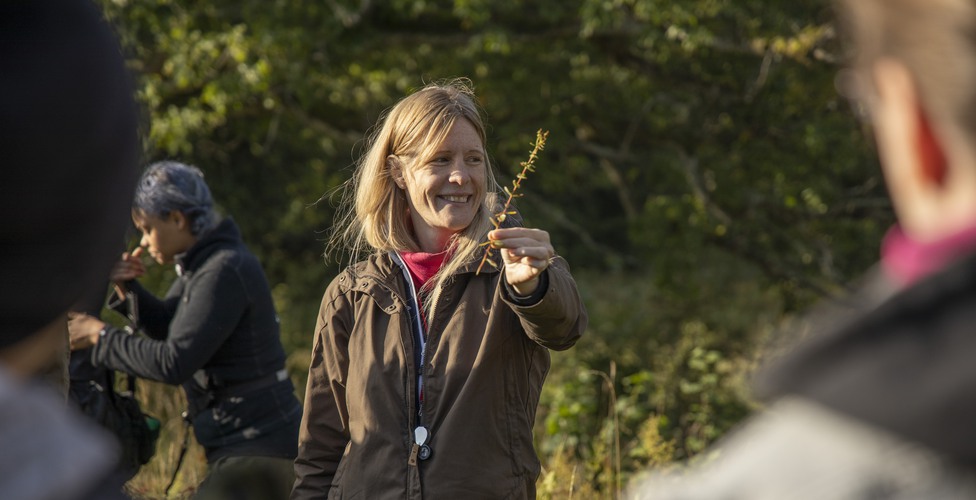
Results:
<point x="702" y="175"/>
<point x="677" y="370"/>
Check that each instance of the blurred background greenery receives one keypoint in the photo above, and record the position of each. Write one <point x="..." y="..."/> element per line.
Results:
<point x="703" y="176"/>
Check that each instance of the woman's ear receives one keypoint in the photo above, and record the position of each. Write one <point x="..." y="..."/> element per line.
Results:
<point x="908" y="140"/>
<point x="180" y="219"/>
<point x="396" y="170"/>
<point x="931" y="155"/>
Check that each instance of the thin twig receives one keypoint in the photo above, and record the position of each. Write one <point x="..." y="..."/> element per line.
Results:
<point x="498" y="218"/>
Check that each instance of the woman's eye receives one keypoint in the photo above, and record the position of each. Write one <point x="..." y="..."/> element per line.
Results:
<point x="474" y="159"/>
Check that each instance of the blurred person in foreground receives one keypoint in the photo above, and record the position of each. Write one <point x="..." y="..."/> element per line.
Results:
<point x="425" y="375"/>
<point x="215" y="332"/>
<point x="68" y="152"/>
<point x="882" y="404"/>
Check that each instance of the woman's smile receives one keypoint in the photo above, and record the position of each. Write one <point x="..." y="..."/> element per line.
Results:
<point x="455" y="198"/>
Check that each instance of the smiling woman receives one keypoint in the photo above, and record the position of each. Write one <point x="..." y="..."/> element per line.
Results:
<point x="425" y="377"/>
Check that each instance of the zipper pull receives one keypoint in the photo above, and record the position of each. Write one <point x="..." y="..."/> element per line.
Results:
<point x="413" y="455"/>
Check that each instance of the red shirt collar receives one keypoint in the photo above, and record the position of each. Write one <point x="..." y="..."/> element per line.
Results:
<point x="423" y="266"/>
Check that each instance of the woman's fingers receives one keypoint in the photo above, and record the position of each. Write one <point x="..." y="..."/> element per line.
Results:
<point x="125" y="272"/>
<point x="519" y="232"/>
<point x="83" y="330"/>
<point x="536" y="252"/>
<point x="526" y="252"/>
<point x="521" y="245"/>
<point x="129" y="267"/>
<point x="533" y="242"/>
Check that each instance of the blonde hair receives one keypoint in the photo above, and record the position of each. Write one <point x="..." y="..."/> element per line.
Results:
<point x="935" y="39"/>
<point x="373" y="214"/>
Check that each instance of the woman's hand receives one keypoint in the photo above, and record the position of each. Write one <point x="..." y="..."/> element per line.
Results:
<point x="83" y="330"/>
<point x="526" y="253"/>
<point x="129" y="267"/>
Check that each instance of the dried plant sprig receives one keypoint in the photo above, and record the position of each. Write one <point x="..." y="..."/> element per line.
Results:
<point x="501" y="215"/>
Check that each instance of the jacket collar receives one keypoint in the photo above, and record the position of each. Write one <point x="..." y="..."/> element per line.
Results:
<point x="225" y="233"/>
<point x="380" y="272"/>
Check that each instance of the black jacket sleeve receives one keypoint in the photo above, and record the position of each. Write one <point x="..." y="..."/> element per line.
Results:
<point x="154" y="315"/>
<point x="202" y="318"/>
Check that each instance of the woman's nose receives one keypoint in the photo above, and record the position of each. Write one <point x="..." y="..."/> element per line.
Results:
<point x="459" y="174"/>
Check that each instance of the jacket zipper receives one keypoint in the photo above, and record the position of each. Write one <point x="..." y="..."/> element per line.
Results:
<point x="421" y="434"/>
<point x="423" y="353"/>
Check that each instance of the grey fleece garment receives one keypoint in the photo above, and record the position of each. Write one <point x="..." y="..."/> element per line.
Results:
<point x="47" y="452"/>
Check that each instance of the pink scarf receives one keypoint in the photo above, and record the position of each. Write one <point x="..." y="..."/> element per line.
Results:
<point x="907" y="260"/>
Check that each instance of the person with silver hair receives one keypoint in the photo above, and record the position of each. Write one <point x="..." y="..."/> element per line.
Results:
<point x="876" y="402"/>
<point x="215" y="332"/>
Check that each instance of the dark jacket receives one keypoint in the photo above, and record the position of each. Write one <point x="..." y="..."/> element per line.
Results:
<point x="216" y="333"/>
<point x="485" y="362"/>
<point x="905" y="365"/>
<point x="878" y="402"/>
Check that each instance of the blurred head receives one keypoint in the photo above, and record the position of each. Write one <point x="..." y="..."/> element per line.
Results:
<point x="425" y="176"/>
<point x="172" y="208"/>
<point x="68" y="150"/>
<point x="915" y="68"/>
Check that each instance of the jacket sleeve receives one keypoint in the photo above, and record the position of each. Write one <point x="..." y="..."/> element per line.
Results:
<point x="324" y="431"/>
<point x="155" y="314"/>
<point x="211" y="308"/>
<point x="559" y="318"/>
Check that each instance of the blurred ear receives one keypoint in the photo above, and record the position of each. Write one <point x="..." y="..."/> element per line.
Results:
<point x="931" y="155"/>
<point x="910" y="146"/>
<point x="396" y="170"/>
<point x="913" y="154"/>
<point x="893" y="119"/>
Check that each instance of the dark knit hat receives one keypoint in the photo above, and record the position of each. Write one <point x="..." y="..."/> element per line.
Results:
<point x="68" y="158"/>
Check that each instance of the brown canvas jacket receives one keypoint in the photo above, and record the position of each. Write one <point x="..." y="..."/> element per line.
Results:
<point x="486" y="361"/>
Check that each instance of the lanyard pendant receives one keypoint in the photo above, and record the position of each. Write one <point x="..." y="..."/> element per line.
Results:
<point x="420" y="437"/>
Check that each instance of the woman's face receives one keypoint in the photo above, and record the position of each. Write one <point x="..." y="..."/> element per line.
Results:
<point x="445" y="190"/>
<point x="164" y="237"/>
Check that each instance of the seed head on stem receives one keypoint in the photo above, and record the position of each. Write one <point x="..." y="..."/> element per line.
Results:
<point x="501" y="215"/>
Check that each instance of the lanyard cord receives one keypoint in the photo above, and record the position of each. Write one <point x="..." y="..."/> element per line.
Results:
<point x="418" y="327"/>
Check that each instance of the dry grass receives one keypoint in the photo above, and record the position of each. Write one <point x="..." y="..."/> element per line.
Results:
<point x="565" y="475"/>
<point x="167" y="403"/>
